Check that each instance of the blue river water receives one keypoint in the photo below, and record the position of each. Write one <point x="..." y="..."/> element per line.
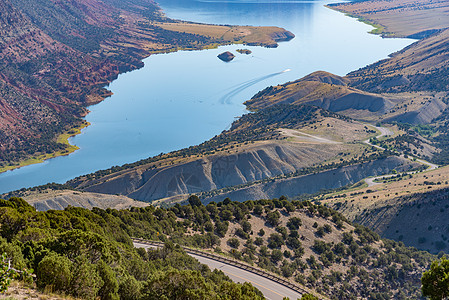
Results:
<point x="184" y="98"/>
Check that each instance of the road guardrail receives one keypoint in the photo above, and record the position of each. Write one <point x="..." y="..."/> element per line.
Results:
<point x="232" y="262"/>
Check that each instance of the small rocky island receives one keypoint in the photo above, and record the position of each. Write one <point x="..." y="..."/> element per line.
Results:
<point x="226" y="56"/>
<point x="244" y="51"/>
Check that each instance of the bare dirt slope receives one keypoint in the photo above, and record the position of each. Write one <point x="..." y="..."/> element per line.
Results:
<point x="336" y="94"/>
<point x="256" y="162"/>
<point x="412" y="209"/>
<point x="313" y="183"/>
<point x="418" y="220"/>
<point x="321" y="89"/>
<point x="419" y="67"/>
<point x="401" y="18"/>
<point x="58" y="200"/>
<point x="21" y="291"/>
<point x="276" y="141"/>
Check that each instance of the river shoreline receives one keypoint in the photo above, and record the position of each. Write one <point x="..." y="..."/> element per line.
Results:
<point x="227" y="94"/>
<point x="263" y="37"/>
<point x="63" y="138"/>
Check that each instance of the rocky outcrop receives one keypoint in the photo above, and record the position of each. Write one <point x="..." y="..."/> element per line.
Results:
<point x="226" y="56"/>
<point x="282" y="36"/>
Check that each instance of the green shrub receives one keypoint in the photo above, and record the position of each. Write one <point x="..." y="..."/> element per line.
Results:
<point x="258" y="241"/>
<point x="242" y="234"/>
<point x="294" y="223"/>
<point x="246" y="226"/>
<point x="54" y="272"/>
<point x="275" y="241"/>
<point x="109" y="289"/>
<point x="276" y="255"/>
<point x="234" y="242"/>
<point x="86" y="282"/>
<point x="273" y="218"/>
<point x="130" y="289"/>
<point x="177" y="284"/>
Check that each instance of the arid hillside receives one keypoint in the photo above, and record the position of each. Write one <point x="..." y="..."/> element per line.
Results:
<point x="248" y="164"/>
<point x="306" y="243"/>
<point x="56" y="57"/>
<point x="400" y="18"/>
<point x="412" y="91"/>
<point x="283" y="149"/>
<point x="409" y="88"/>
<point x="422" y="66"/>
<point x="59" y="200"/>
<point x="411" y="208"/>
<point x="294" y="185"/>
<point x="327" y="91"/>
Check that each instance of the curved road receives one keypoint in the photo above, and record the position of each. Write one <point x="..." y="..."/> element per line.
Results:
<point x="385" y="132"/>
<point x="270" y="289"/>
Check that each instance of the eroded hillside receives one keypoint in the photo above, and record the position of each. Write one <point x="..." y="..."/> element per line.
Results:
<point x="400" y="18"/>
<point x="283" y="149"/>
<point x="306" y="243"/>
<point x="406" y="207"/>
<point x="422" y="66"/>
<point x="339" y="95"/>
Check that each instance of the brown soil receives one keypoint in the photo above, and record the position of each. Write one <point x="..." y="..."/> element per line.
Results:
<point x="401" y="17"/>
<point x="21" y="291"/>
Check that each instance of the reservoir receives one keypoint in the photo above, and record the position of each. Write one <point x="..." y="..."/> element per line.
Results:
<point x="184" y="98"/>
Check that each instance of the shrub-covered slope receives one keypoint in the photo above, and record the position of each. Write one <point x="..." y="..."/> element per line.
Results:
<point x="310" y="244"/>
<point x="89" y="254"/>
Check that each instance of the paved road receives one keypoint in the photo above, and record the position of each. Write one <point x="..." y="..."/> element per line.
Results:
<point x="385" y="132"/>
<point x="431" y="165"/>
<point x="305" y="137"/>
<point x="269" y="288"/>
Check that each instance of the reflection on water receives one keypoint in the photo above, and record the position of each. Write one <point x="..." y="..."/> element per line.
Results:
<point x="184" y="98"/>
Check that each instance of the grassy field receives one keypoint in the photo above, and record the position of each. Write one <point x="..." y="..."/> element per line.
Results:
<point x="264" y="35"/>
<point x="378" y="29"/>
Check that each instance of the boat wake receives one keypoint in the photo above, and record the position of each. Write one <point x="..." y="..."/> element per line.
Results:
<point x="227" y="98"/>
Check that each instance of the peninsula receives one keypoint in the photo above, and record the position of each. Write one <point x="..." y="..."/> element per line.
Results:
<point x="73" y="52"/>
